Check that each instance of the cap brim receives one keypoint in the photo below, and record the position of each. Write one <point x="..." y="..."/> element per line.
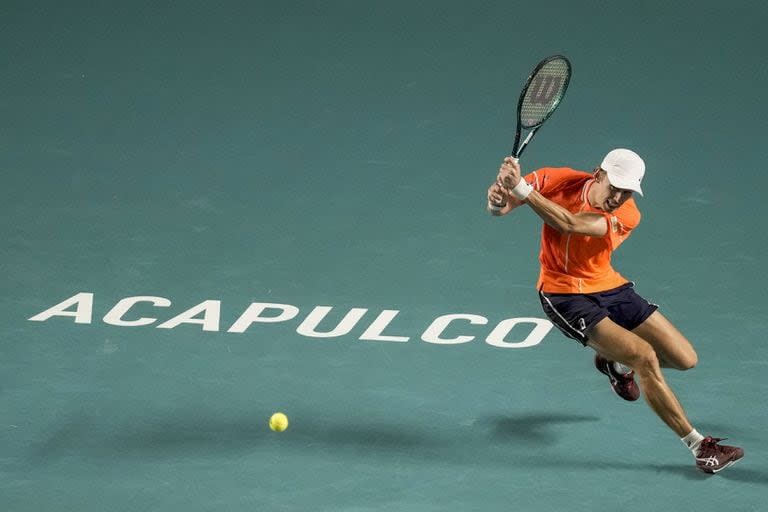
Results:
<point x="624" y="183"/>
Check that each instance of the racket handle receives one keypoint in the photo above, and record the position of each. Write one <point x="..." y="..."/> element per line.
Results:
<point x="496" y="208"/>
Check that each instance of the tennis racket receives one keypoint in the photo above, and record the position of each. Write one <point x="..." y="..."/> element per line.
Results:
<point x="541" y="95"/>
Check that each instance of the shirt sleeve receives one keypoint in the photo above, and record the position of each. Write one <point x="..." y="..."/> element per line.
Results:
<point x="622" y="222"/>
<point x="543" y="179"/>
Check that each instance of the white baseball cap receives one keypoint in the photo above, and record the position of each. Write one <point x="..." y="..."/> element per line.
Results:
<point x="625" y="169"/>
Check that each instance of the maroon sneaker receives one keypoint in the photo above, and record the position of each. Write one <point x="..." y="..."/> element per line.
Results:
<point x="623" y="384"/>
<point x="713" y="458"/>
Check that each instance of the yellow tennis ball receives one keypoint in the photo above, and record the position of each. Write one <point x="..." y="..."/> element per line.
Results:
<point x="278" y="422"/>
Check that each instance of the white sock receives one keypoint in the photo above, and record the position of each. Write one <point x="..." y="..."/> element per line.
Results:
<point x="692" y="441"/>
<point x="621" y="369"/>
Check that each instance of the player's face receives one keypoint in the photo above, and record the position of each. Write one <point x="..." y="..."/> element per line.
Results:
<point x="607" y="197"/>
<point x="616" y="197"/>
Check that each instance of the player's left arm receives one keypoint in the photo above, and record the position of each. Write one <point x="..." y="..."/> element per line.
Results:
<point x="584" y="223"/>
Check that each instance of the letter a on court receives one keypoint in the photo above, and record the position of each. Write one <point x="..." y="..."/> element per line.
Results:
<point x="82" y="313"/>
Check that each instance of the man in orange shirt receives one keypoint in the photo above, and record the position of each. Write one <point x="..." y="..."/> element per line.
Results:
<point x="586" y="217"/>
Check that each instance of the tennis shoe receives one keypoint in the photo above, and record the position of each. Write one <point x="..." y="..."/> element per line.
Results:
<point x="713" y="457"/>
<point x="623" y="384"/>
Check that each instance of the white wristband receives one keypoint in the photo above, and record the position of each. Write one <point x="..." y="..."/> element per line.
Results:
<point x="522" y="190"/>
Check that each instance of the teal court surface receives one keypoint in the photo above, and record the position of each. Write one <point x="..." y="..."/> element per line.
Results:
<point x="215" y="211"/>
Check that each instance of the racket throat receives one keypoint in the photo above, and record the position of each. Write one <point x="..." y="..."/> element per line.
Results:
<point x="528" y="138"/>
<point x="519" y="151"/>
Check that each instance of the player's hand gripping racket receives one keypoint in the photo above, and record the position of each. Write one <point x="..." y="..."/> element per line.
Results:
<point x="540" y="97"/>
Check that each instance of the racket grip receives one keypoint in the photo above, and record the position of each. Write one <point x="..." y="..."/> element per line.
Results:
<point x="495" y="208"/>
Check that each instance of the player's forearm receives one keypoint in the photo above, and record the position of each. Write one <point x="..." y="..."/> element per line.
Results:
<point x="584" y="223"/>
<point x="552" y="213"/>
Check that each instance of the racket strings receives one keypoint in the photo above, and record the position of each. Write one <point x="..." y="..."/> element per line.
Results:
<point x="544" y="93"/>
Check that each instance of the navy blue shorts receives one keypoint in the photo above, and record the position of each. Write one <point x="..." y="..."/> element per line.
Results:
<point x="576" y="313"/>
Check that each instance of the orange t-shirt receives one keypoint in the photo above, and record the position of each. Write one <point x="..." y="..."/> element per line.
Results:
<point x="572" y="263"/>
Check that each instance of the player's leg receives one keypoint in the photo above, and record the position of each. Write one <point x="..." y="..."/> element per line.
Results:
<point x="580" y="318"/>
<point x="672" y="348"/>
<point x="618" y="344"/>
<point x="575" y="315"/>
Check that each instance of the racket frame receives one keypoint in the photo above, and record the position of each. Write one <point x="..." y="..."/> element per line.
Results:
<point x="517" y="148"/>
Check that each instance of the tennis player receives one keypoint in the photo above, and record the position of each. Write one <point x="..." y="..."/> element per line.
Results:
<point x="586" y="217"/>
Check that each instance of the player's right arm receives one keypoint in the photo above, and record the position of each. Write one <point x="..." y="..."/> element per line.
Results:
<point x="554" y="215"/>
<point x="585" y="223"/>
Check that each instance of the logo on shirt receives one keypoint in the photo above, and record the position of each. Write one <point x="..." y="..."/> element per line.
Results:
<point x="615" y="224"/>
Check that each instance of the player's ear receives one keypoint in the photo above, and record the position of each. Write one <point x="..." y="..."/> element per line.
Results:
<point x="599" y="174"/>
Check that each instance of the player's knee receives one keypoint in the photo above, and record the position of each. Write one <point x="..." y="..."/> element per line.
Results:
<point x="646" y="360"/>
<point x="689" y="361"/>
